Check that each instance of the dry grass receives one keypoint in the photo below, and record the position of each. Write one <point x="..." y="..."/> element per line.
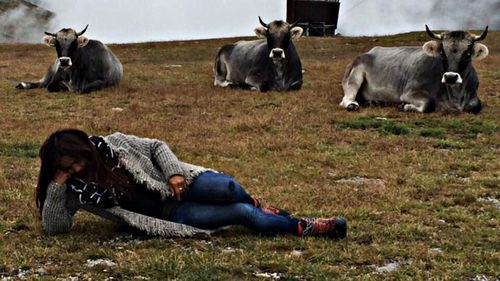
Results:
<point x="423" y="176"/>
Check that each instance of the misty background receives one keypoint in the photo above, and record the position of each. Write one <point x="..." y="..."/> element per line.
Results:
<point x="124" y="21"/>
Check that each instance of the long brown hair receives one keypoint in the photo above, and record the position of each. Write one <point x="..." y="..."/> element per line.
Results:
<point x="75" y="144"/>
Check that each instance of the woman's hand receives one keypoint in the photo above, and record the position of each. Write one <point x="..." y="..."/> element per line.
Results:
<point x="177" y="185"/>
<point x="61" y="177"/>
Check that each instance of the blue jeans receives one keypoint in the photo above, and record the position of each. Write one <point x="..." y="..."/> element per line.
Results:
<point x="215" y="200"/>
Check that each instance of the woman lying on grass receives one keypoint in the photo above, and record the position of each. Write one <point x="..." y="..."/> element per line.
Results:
<point x="140" y="182"/>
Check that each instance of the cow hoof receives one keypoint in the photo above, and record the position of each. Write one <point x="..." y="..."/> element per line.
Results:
<point x="411" y="108"/>
<point x="352" y="107"/>
<point x="21" y="86"/>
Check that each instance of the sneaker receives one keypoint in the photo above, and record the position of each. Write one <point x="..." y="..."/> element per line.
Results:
<point x="335" y="227"/>
<point x="256" y="202"/>
<point x="269" y="210"/>
<point x="275" y="211"/>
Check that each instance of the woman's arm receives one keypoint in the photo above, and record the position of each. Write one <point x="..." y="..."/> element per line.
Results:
<point x="166" y="159"/>
<point x="57" y="216"/>
<point x="169" y="164"/>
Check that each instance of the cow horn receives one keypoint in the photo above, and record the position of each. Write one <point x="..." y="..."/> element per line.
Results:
<point x="432" y="34"/>
<point x="295" y="23"/>
<point x="482" y="36"/>
<point x="263" y="23"/>
<point x="50" y="34"/>
<point x="83" y="31"/>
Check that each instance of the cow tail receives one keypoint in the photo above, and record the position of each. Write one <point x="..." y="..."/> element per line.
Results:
<point x="219" y="66"/>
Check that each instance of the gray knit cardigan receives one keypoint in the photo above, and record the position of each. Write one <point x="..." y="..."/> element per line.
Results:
<point x="152" y="163"/>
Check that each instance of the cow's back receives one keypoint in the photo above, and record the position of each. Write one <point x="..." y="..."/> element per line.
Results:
<point x="96" y="61"/>
<point x="245" y="56"/>
<point x="392" y="71"/>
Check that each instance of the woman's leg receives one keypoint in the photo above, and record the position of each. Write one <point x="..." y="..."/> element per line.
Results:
<point x="208" y="216"/>
<point x="216" y="188"/>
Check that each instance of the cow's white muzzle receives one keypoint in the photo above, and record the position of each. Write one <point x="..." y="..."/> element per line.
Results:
<point x="65" y="62"/>
<point x="451" y="78"/>
<point x="277" y="53"/>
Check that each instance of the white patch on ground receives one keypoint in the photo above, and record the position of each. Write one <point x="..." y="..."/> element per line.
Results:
<point x="490" y="199"/>
<point x="358" y="181"/>
<point x="121" y="240"/>
<point x="228" y="250"/>
<point x="296" y="253"/>
<point x="435" y="251"/>
<point x="480" y="277"/>
<point x="453" y="176"/>
<point x="273" y="275"/>
<point x="117" y="109"/>
<point x="104" y="262"/>
<point x="390" y="267"/>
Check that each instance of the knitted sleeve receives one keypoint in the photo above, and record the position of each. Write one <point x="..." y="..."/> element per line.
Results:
<point x="57" y="215"/>
<point x="166" y="159"/>
<point x="154" y="226"/>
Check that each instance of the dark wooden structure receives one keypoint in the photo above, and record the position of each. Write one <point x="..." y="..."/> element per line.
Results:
<point x="317" y="17"/>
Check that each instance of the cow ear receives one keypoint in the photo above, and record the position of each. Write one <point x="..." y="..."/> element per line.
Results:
<point x="431" y="48"/>
<point x="260" y="32"/>
<point x="480" y="51"/>
<point x="82" y="41"/>
<point x="49" y="40"/>
<point x="296" y="32"/>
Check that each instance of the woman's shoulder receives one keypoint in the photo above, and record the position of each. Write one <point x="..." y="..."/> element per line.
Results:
<point x="97" y="140"/>
<point x="120" y="138"/>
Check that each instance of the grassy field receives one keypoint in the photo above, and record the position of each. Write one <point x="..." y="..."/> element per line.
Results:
<point x="420" y="192"/>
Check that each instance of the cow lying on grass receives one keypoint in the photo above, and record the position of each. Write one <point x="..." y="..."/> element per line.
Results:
<point x="437" y="77"/>
<point x="82" y="65"/>
<point x="268" y="64"/>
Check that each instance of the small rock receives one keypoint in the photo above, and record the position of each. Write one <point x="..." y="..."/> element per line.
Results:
<point x="104" y="262"/>
<point x="42" y="271"/>
<point x="480" y="277"/>
<point x="117" y="109"/>
<point x="21" y="273"/>
<point x="296" y="253"/>
<point x="491" y="200"/>
<point x="273" y="275"/>
<point x="390" y="267"/>
<point x="435" y="250"/>
<point x="357" y="180"/>
<point x="228" y="250"/>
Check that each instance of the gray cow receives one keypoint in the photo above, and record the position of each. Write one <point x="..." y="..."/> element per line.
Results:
<point x="271" y="63"/>
<point x="82" y="65"/>
<point x="437" y="77"/>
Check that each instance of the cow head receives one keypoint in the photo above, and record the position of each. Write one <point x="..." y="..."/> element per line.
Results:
<point x="279" y="35"/>
<point x="456" y="50"/>
<point x="66" y="41"/>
